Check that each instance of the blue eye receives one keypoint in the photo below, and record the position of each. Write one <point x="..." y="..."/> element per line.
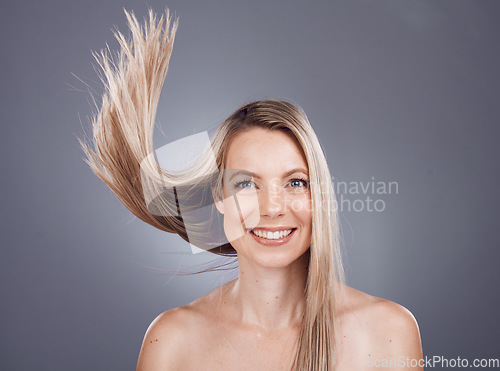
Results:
<point x="245" y="184"/>
<point x="298" y="183"/>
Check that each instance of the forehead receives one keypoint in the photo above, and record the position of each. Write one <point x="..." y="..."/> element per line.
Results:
<point x="266" y="150"/>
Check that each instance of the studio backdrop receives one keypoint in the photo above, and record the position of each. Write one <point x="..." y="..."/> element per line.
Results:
<point x="402" y="94"/>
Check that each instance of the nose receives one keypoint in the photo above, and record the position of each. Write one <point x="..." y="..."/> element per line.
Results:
<point x="272" y="202"/>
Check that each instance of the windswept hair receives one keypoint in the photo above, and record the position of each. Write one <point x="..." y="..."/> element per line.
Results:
<point x="123" y="157"/>
<point x="123" y="127"/>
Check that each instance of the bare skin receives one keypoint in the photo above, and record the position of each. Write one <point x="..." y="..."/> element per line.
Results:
<point x="253" y="322"/>
<point x="209" y="334"/>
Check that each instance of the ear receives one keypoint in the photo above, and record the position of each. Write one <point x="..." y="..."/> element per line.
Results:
<point x="219" y="203"/>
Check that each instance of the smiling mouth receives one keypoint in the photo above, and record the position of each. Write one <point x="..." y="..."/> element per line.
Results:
<point x="270" y="235"/>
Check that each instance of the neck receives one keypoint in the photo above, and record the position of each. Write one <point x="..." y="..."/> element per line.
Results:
<point x="270" y="298"/>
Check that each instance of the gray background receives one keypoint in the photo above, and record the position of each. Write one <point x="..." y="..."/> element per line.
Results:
<point x="404" y="91"/>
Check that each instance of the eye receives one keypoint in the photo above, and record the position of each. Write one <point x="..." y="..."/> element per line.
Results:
<point x="245" y="184"/>
<point x="295" y="183"/>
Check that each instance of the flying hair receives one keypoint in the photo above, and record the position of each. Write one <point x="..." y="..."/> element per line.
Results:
<point x="123" y="157"/>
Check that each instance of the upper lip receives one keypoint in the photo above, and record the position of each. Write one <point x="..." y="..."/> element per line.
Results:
<point x="272" y="229"/>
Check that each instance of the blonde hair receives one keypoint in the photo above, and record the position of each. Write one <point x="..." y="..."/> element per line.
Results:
<point x="122" y="158"/>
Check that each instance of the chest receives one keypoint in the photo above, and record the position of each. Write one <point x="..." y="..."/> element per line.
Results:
<point x="219" y="347"/>
<point x="242" y="349"/>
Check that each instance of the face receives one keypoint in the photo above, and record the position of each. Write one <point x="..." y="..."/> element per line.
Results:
<point x="267" y="203"/>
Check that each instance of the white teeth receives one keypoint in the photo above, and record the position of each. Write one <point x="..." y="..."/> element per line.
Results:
<point x="272" y="235"/>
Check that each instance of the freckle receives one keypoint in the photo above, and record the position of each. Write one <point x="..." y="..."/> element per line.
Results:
<point x="369" y="354"/>
<point x="276" y="297"/>
<point x="390" y="341"/>
<point x="156" y="339"/>
<point x="224" y="302"/>
<point x="151" y="341"/>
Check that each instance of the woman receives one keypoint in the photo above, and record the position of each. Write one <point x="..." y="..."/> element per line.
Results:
<point x="269" y="183"/>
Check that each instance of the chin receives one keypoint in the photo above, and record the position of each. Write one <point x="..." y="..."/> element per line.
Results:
<point x="271" y="257"/>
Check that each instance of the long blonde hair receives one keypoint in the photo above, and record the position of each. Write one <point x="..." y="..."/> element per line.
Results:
<point x="122" y="158"/>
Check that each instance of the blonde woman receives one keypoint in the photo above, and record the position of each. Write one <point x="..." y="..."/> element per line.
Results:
<point x="270" y="187"/>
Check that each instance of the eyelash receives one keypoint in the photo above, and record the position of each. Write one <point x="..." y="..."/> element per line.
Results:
<point x="238" y="184"/>
<point x="304" y="182"/>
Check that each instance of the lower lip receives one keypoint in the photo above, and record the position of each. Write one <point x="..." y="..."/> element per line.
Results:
<point x="269" y="242"/>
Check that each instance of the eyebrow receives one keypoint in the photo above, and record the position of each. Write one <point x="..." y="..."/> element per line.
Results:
<point x="284" y="175"/>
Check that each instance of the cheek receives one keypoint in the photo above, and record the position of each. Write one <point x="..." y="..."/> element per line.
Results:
<point x="232" y="225"/>
<point x="301" y="207"/>
<point x="249" y="208"/>
<point x="241" y="213"/>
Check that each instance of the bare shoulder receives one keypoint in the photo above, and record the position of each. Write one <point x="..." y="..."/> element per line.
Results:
<point x="388" y="330"/>
<point x="387" y="313"/>
<point x="173" y="333"/>
<point x="165" y="340"/>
